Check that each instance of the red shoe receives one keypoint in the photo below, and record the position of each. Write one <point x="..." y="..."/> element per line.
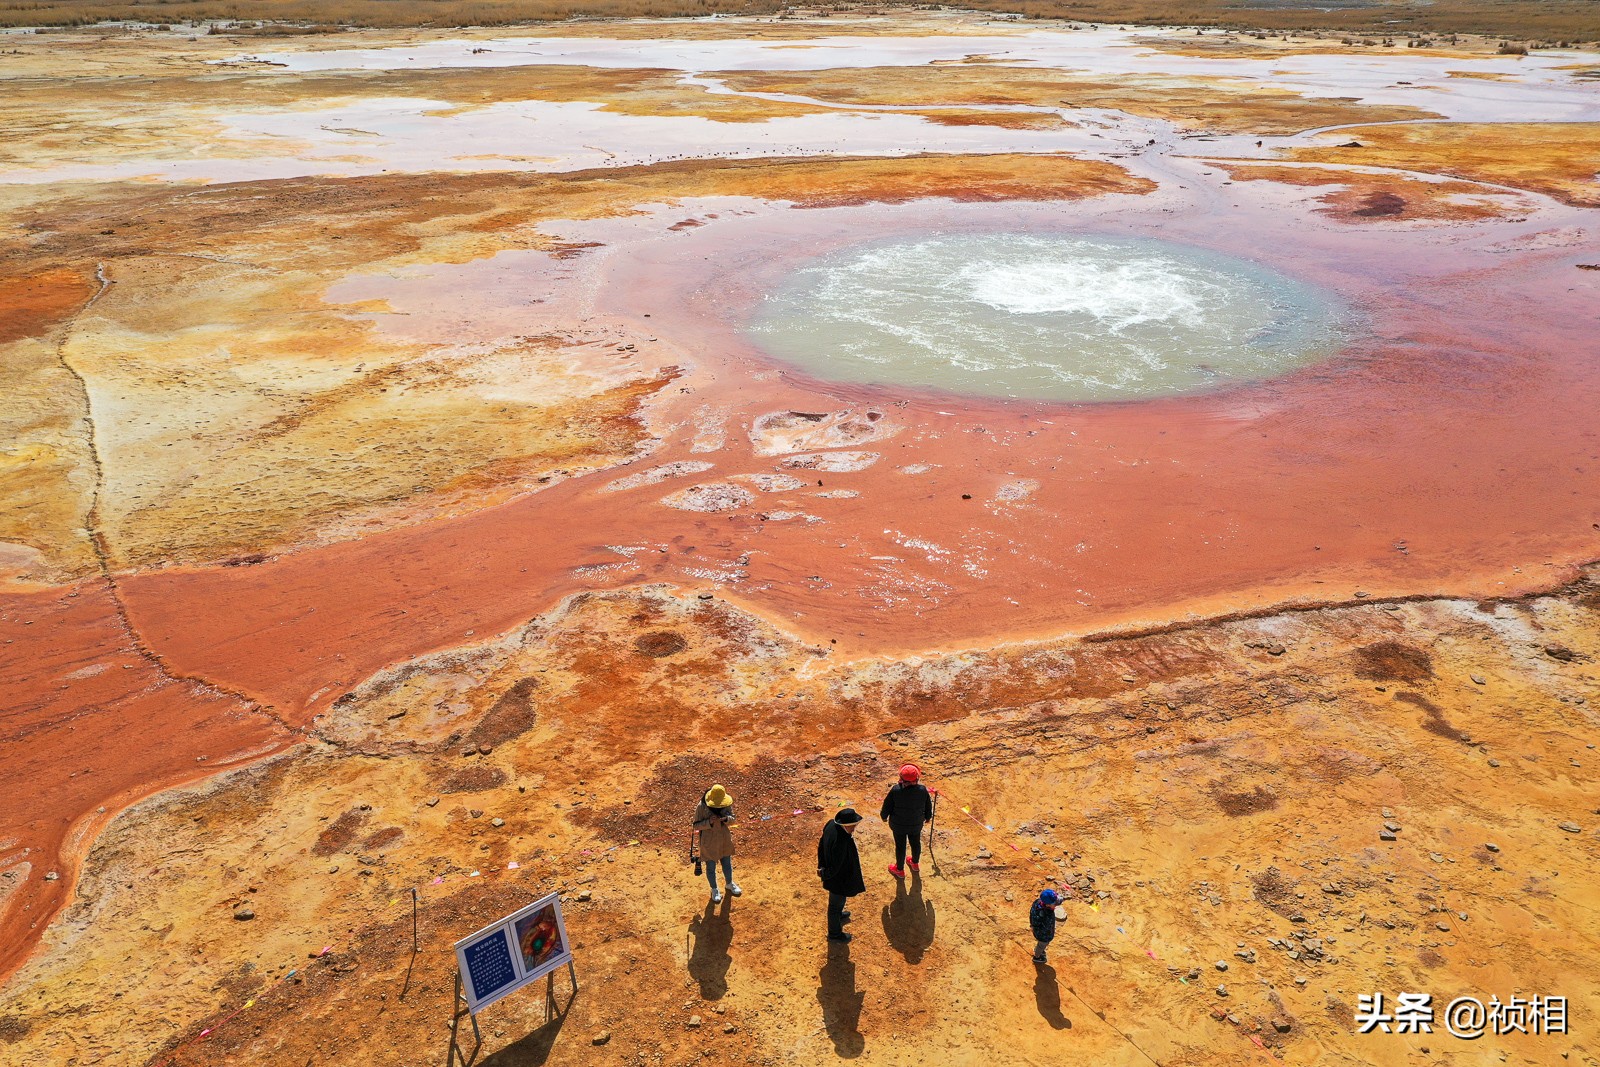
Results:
<point x="916" y="868"/>
<point x="896" y="871"/>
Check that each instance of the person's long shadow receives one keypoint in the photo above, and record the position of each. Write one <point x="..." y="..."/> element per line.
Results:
<point x="908" y="921"/>
<point x="841" y="1002"/>
<point x="1047" y="995"/>
<point x="708" y="963"/>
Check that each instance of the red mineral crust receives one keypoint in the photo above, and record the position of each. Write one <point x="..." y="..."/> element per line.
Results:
<point x="92" y="724"/>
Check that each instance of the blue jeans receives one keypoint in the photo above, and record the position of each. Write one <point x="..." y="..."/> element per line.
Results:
<point x="727" y="871"/>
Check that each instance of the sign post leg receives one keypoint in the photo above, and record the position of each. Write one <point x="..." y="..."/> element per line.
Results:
<point x="462" y="1008"/>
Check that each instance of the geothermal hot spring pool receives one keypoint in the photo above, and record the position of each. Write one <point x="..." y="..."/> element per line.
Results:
<point x="1052" y="317"/>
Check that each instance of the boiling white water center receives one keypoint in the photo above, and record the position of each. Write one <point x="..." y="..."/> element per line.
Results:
<point x="1063" y="318"/>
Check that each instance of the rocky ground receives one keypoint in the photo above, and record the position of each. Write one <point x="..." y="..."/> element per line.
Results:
<point x="374" y="563"/>
<point x="1262" y="819"/>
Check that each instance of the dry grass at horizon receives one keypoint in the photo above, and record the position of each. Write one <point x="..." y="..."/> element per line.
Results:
<point x="1517" y="20"/>
<point x="1541" y="21"/>
<point x="1546" y="20"/>
<point x="367" y="13"/>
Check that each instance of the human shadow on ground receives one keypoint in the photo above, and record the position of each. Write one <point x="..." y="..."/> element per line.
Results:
<point x="908" y="920"/>
<point x="1047" y="995"/>
<point x="709" y="960"/>
<point x="841" y="1002"/>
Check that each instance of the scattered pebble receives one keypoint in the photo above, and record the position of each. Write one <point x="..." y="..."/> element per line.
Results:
<point x="244" y="914"/>
<point x="600" y="1038"/>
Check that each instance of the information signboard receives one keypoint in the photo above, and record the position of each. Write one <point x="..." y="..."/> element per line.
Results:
<point x="502" y="958"/>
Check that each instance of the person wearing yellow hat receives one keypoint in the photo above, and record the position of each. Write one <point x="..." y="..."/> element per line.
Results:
<point x="712" y="818"/>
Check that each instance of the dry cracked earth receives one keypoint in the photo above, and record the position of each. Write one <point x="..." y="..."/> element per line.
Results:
<point x="374" y="562"/>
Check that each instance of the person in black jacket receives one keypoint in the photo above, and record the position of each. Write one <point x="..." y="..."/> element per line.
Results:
<point x="839" y="867"/>
<point x="1042" y="918"/>
<point x="905" y="809"/>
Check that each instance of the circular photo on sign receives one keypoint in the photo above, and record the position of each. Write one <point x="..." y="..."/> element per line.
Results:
<point x="539" y="937"/>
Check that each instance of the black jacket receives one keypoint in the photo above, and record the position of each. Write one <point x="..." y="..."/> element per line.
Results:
<point x="838" y="862"/>
<point x="1042" y="917"/>
<point x="907" y="806"/>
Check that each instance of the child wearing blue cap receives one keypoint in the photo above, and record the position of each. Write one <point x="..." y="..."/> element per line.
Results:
<point x="1042" y="917"/>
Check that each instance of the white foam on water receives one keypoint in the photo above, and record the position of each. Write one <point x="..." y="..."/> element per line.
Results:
<point x="1116" y="295"/>
<point x="1052" y="317"/>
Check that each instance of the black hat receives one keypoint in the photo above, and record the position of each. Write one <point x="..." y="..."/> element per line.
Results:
<point x="847" y="817"/>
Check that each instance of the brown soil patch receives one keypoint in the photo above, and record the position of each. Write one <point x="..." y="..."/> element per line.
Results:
<point x="1435" y="723"/>
<point x="512" y="715"/>
<point x="1252" y="802"/>
<point x="1391" y="661"/>
<point x="474" y="779"/>
<point x="1272" y="890"/>
<point x="660" y="644"/>
<point x="341" y="833"/>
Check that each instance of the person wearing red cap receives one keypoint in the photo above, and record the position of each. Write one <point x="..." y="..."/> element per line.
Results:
<point x="907" y="806"/>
